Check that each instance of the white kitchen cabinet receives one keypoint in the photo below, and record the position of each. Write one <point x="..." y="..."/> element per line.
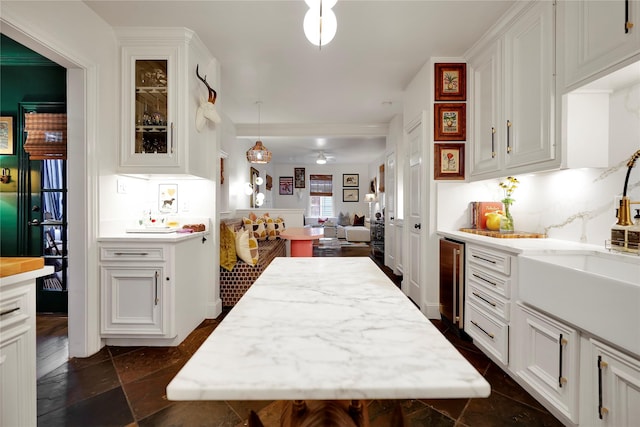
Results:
<point x="487" y="300"/>
<point x="513" y="96"/>
<point x="596" y="38"/>
<point x="548" y="359"/>
<point x="18" y="348"/>
<point x="611" y="386"/>
<point x="160" y="95"/>
<point x="154" y="293"/>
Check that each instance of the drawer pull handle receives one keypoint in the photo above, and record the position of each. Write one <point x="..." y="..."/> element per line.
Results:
<point x="602" y="411"/>
<point x="485" y="280"/>
<point x="156" y="289"/>
<point x="482" y="329"/>
<point x="561" y="343"/>
<point x="492" y="304"/>
<point x="509" y="124"/>
<point x="484" y="259"/>
<point x="9" y="311"/>
<point x="132" y="253"/>
<point x="493" y="142"/>
<point x="627" y="24"/>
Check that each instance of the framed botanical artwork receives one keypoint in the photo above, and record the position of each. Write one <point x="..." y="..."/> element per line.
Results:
<point x="298" y="174"/>
<point x="269" y="182"/>
<point x="449" y="161"/>
<point x="6" y="135"/>
<point x="350" y="180"/>
<point x="451" y="82"/>
<point x="168" y="198"/>
<point x="450" y="121"/>
<point x="286" y="185"/>
<point x="350" y="195"/>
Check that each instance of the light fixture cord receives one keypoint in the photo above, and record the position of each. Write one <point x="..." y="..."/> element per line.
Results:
<point x="320" y="44"/>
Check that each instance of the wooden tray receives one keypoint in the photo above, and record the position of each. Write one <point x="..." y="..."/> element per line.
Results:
<point x="499" y="235"/>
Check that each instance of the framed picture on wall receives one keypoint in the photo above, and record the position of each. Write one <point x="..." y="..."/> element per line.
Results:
<point x="298" y="174"/>
<point x="286" y="185"/>
<point x="350" y="180"/>
<point x="350" y="195"/>
<point x="6" y="135"/>
<point x="448" y="161"/>
<point x="168" y="198"/>
<point x="450" y="122"/>
<point x="269" y="182"/>
<point x="451" y="82"/>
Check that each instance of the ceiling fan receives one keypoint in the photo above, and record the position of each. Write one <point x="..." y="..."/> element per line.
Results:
<point x="322" y="157"/>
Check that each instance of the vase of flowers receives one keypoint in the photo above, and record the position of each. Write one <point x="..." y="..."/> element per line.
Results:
<point x="508" y="186"/>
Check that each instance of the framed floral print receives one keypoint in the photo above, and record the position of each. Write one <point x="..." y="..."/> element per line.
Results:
<point x="448" y="161"/>
<point x="451" y="82"/>
<point x="450" y="121"/>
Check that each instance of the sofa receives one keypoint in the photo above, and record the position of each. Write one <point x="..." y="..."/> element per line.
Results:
<point x="345" y="228"/>
<point x="235" y="282"/>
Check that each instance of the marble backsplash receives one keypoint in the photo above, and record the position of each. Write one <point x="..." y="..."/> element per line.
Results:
<point x="573" y="204"/>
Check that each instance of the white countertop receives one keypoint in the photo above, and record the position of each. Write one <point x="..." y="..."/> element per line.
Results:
<point x="150" y="237"/>
<point x="522" y="246"/>
<point x="325" y="328"/>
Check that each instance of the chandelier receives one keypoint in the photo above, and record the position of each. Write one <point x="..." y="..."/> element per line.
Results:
<point x="320" y="23"/>
<point x="258" y="153"/>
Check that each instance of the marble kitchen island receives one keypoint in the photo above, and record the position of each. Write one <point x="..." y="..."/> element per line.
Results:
<point x="325" y="328"/>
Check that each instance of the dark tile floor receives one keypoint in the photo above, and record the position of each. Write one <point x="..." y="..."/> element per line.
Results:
<point x="125" y="386"/>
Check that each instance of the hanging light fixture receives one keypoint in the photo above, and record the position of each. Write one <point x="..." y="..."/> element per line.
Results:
<point x="258" y="153"/>
<point x="321" y="160"/>
<point x="320" y="23"/>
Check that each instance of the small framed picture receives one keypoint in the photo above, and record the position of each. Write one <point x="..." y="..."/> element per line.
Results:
<point x="168" y="198"/>
<point x="298" y="174"/>
<point x="269" y="182"/>
<point x="350" y="195"/>
<point x="450" y="122"/>
<point x="286" y="185"/>
<point x="448" y="161"/>
<point x="350" y="180"/>
<point x="451" y="82"/>
<point x="6" y="135"/>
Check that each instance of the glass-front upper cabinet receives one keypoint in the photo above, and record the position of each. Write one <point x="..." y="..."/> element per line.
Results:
<point x="152" y="129"/>
<point x="149" y="110"/>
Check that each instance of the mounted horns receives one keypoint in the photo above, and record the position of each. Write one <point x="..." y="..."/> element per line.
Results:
<point x="212" y="93"/>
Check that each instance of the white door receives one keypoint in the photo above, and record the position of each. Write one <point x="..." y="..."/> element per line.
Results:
<point x="390" y="212"/>
<point x="414" y="224"/>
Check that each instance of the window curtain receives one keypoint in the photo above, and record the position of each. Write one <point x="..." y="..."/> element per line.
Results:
<point x="52" y="179"/>
<point x="321" y="185"/>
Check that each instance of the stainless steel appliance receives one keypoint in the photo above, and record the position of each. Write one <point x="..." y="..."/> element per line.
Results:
<point x="452" y="282"/>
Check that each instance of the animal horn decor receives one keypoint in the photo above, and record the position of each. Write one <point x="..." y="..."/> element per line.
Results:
<point x="207" y="109"/>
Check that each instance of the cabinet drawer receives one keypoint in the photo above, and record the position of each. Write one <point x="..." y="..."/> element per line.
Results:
<point x="493" y="282"/>
<point x="491" y="303"/>
<point x="488" y="331"/>
<point x="14" y="308"/>
<point x="131" y="254"/>
<point x="493" y="260"/>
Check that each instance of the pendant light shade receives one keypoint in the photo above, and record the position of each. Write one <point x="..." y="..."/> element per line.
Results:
<point x="320" y="23"/>
<point x="259" y="153"/>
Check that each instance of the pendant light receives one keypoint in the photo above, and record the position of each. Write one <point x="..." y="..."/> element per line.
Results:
<point x="320" y="23"/>
<point x="258" y="153"/>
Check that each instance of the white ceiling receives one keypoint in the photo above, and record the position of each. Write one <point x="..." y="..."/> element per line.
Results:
<point x="356" y="82"/>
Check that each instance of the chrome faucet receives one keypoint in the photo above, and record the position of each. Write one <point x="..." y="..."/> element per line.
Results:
<point x="624" y="212"/>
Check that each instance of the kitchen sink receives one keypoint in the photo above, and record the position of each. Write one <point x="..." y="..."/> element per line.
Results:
<point x="597" y="292"/>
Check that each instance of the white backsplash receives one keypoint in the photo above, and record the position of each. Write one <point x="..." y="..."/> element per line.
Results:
<point x="573" y="204"/>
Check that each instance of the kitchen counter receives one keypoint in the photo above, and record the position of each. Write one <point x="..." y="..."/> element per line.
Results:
<point x="522" y="246"/>
<point x="325" y="328"/>
<point x="15" y="265"/>
<point x="151" y="237"/>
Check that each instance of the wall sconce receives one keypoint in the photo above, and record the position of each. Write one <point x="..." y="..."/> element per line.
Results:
<point x="250" y="189"/>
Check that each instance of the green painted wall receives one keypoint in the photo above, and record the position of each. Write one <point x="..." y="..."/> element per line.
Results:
<point x="24" y="76"/>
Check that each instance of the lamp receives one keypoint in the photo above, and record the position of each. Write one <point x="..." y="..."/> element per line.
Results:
<point x="321" y="160"/>
<point x="258" y="153"/>
<point x="250" y="188"/>
<point x="370" y="198"/>
<point x="320" y="23"/>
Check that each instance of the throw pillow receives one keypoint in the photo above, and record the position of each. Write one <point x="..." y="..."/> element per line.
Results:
<point x="257" y="227"/>
<point x="228" y="256"/>
<point x="274" y="228"/>
<point x="253" y="216"/>
<point x="247" y="247"/>
<point x="343" y="219"/>
<point x="358" y="220"/>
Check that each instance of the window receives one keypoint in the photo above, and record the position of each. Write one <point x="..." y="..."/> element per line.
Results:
<point x="321" y="196"/>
